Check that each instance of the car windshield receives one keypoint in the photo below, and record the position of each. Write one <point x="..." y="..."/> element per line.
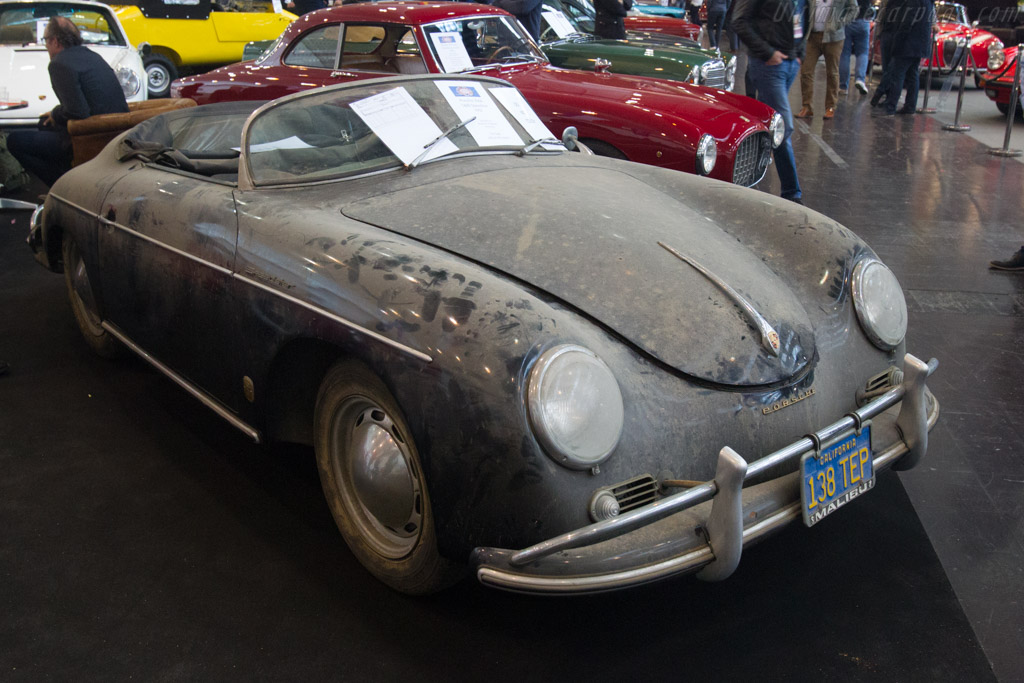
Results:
<point x="24" y="23"/>
<point x="952" y="13"/>
<point x="474" y="42"/>
<point x="384" y="124"/>
<point x="560" y="20"/>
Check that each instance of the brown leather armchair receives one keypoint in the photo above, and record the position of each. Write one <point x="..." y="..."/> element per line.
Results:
<point x="89" y="136"/>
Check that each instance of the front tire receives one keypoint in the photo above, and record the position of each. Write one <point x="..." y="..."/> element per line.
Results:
<point x="160" y="71"/>
<point x="374" y="484"/>
<point x="83" y="303"/>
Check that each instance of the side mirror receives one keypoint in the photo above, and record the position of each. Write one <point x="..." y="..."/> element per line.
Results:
<point x="974" y="24"/>
<point x="569" y="137"/>
<point x="145" y="49"/>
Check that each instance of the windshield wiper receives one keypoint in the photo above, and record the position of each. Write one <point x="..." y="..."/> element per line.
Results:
<point x="533" y="144"/>
<point x="443" y="136"/>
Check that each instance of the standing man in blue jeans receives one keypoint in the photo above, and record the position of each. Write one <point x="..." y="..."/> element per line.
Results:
<point x="773" y="31"/>
<point x="858" y="33"/>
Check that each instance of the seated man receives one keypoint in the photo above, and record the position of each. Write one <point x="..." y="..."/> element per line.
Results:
<point x="84" y="84"/>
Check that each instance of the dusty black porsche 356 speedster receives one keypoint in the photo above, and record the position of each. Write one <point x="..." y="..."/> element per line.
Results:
<point x="566" y="372"/>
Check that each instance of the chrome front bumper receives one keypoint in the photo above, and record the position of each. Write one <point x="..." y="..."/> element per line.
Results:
<point x="705" y="527"/>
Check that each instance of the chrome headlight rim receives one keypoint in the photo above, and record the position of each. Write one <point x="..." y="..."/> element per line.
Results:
<point x="707" y="154"/>
<point x="613" y="421"/>
<point x="996" y="55"/>
<point x="777" y="128"/>
<point x="129" y="80"/>
<point x="885" y="339"/>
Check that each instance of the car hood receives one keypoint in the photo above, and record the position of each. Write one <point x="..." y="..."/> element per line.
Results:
<point x="630" y="49"/>
<point x="688" y="101"/>
<point x="572" y="236"/>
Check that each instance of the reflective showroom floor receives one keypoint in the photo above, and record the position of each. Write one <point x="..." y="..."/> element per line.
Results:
<point x="141" y="537"/>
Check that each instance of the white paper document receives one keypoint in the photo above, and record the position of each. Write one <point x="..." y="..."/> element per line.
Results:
<point x="558" y="23"/>
<point x="468" y="100"/>
<point x="517" y="106"/>
<point x="451" y="52"/>
<point x="402" y="125"/>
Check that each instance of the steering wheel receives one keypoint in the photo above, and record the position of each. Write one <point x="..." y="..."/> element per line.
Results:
<point x="493" y="57"/>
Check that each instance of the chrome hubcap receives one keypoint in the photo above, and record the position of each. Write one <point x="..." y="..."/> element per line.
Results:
<point x="379" y="483"/>
<point x="158" y="77"/>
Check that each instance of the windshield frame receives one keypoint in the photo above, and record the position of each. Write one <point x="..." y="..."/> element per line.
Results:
<point x="537" y="55"/>
<point x="246" y="180"/>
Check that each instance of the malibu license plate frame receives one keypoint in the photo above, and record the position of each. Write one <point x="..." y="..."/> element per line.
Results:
<point x="843" y="469"/>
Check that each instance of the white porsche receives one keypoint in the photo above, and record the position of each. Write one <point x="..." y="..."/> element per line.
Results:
<point x="25" y="89"/>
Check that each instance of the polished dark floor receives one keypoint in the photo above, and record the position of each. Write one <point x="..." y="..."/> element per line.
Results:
<point x="141" y="537"/>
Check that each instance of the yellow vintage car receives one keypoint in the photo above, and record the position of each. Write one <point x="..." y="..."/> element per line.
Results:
<point x="187" y="35"/>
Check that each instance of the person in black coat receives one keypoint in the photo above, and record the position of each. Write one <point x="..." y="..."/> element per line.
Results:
<point x="85" y="85"/>
<point x="608" y="23"/>
<point x="906" y="26"/>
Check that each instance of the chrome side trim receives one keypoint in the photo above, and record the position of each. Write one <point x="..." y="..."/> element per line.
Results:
<point x="225" y="271"/>
<point x="207" y="400"/>
<point x="338" y="319"/>
<point x="163" y="245"/>
<point x="616" y="526"/>
<point x="70" y="203"/>
<point x="769" y="337"/>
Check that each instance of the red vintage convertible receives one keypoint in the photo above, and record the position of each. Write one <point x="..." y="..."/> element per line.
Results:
<point x="999" y="80"/>
<point x="664" y="123"/>
<point x="953" y="34"/>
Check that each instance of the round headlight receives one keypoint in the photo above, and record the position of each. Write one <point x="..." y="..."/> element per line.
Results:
<point x="996" y="56"/>
<point x="575" y="406"/>
<point x="707" y="154"/>
<point x="777" y="129"/>
<point x="880" y="305"/>
<point x="129" y="80"/>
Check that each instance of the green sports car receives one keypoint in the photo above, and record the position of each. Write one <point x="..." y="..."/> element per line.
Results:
<point x="568" y="41"/>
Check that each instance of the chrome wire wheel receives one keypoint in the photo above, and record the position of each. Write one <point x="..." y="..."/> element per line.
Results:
<point x="379" y="482"/>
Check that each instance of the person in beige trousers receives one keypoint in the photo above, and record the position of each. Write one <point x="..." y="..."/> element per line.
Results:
<point x="826" y="36"/>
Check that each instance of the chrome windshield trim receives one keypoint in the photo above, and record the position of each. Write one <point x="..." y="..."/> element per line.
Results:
<point x="616" y="526"/>
<point x="769" y="337"/>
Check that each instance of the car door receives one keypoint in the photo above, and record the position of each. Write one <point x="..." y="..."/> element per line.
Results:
<point x="166" y="248"/>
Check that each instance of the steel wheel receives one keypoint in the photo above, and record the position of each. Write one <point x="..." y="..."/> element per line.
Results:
<point x="160" y="72"/>
<point x="83" y="302"/>
<point x="374" y="483"/>
<point x="380" y="483"/>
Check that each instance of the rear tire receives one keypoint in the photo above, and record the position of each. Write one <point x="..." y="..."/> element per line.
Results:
<point x="83" y="302"/>
<point x="374" y="484"/>
<point x="160" y="71"/>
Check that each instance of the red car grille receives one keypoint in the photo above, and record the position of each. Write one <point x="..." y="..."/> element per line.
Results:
<point x="752" y="157"/>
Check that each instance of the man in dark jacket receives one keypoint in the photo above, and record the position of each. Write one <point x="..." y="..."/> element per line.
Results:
<point x="773" y="31"/>
<point x="608" y="23"/>
<point x="907" y="25"/>
<point x="84" y="84"/>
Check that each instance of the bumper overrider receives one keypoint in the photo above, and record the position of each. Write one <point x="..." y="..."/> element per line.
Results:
<point x="704" y="528"/>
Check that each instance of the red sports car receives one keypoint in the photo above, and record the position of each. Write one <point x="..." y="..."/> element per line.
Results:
<point x="999" y="80"/>
<point x="664" y="123"/>
<point x="953" y="33"/>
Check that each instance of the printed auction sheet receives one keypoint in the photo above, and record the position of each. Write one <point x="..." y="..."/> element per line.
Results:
<point x="451" y="52"/>
<point x="519" y="108"/>
<point x="558" y="23"/>
<point x="468" y="100"/>
<point x="402" y="125"/>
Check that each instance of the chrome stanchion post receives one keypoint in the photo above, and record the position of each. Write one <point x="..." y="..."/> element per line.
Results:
<point x="956" y="126"/>
<point x="925" y="109"/>
<point x="1005" y="150"/>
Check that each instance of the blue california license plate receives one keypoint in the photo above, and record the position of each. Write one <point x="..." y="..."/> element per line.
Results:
<point x="840" y="472"/>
